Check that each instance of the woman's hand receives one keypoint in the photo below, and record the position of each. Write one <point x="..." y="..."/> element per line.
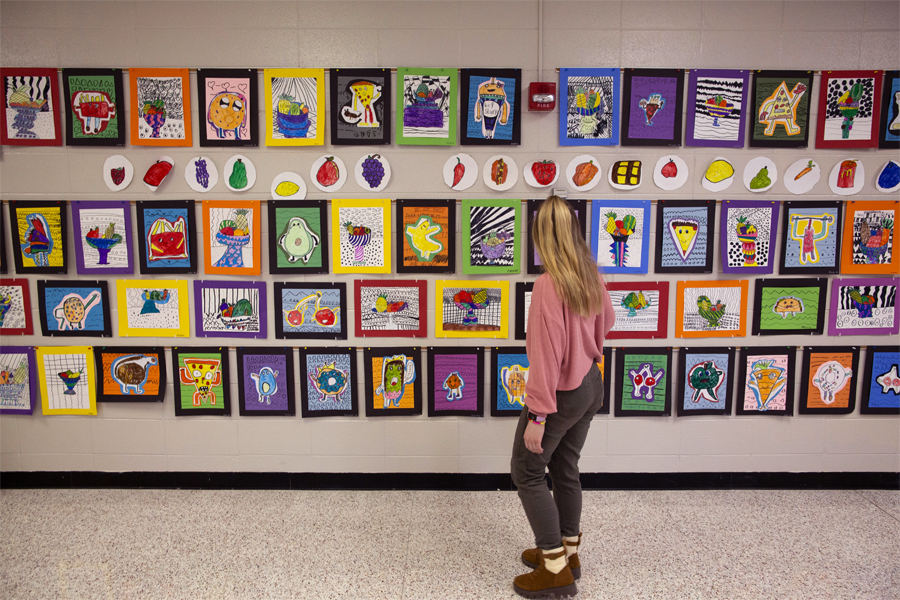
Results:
<point x="534" y="433"/>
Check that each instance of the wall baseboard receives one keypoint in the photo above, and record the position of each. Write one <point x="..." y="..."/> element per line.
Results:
<point x="441" y="481"/>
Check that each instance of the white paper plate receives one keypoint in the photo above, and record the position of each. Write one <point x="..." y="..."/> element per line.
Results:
<point x="288" y="177"/>
<point x="161" y="159"/>
<point x="511" y="179"/>
<point x="117" y="161"/>
<point x="190" y="174"/>
<point x="573" y="166"/>
<point x="229" y="169"/>
<point x="342" y="174"/>
<point x="859" y="179"/>
<point x="805" y="183"/>
<point x="890" y="189"/>
<point x="385" y="179"/>
<point x="670" y="183"/>
<point x="533" y="182"/>
<point x="620" y="186"/>
<point x="722" y="185"/>
<point x="754" y="167"/>
<point x="470" y="175"/>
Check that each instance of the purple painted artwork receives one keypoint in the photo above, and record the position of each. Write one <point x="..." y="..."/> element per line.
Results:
<point x="264" y="379"/>
<point x="102" y="237"/>
<point x="18" y="380"/>
<point x="653" y="106"/>
<point x="864" y="306"/>
<point x="225" y="309"/>
<point x="748" y="235"/>
<point x="717" y="108"/>
<point x="455" y="382"/>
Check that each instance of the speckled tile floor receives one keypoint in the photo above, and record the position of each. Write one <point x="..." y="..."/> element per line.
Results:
<point x="155" y="544"/>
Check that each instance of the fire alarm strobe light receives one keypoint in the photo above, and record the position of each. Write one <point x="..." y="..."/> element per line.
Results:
<point x="541" y="96"/>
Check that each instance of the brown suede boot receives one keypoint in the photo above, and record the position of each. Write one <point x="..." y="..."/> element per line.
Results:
<point x="543" y="583"/>
<point x="532" y="556"/>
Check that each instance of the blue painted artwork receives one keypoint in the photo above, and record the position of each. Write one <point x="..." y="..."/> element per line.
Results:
<point x="705" y="381"/>
<point x="166" y="235"/>
<point x="685" y="236"/>
<point x="620" y="238"/>
<point x="511" y="376"/>
<point x="492" y="101"/>
<point x="588" y="107"/>
<point x="73" y="309"/>
<point x="812" y="239"/>
<point x="329" y="382"/>
<point x="884" y="386"/>
<point x="892" y="129"/>
<point x="310" y="310"/>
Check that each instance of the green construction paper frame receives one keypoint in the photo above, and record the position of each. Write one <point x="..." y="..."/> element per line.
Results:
<point x="482" y="229"/>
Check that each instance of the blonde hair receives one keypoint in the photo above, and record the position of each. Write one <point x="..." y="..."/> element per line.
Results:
<point x="567" y="257"/>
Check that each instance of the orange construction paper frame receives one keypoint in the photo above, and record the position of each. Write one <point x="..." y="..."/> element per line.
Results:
<point x="713" y="319"/>
<point x="234" y="252"/>
<point x="167" y="136"/>
<point x="865" y="258"/>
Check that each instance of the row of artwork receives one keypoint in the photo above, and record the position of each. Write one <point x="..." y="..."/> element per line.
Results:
<point x="814" y="239"/>
<point x="721" y="107"/>
<point x="73" y="379"/>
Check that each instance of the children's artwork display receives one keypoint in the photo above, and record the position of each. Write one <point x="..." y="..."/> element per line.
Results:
<point x="509" y="374"/>
<point x="828" y="380"/>
<point x="711" y="308"/>
<point x="18" y="380"/>
<point x="67" y="380"/>
<point x="266" y="381"/>
<point x="328" y="382"/>
<point x="391" y="308"/>
<point x="298" y="237"/>
<point x="868" y="244"/>
<point x="103" y="237"/>
<point x="705" y="381"/>
<point x="653" y="107"/>
<point x="849" y="109"/>
<point x="490" y="236"/>
<point x="130" y="374"/>
<point x="491" y="106"/>
<point x="641" y="309"/>
<point x="167" y="237"/>
<point x="810" y="238"/>
<point x="717" y="108"/>
<point x="642" y="382"/>
<point x="426" y="236"/>
<point x="39" y="236"/>
<point x="15" y="307"/>
<point x="227" y="106"/>
<point x="153" y="308"/>
<point x="225" y="309"/>
<point x="620" y="237"/>
<point x="94" y="100"/>
<point x="881" y="381"/>
<point x="295" y="107"/>
<point x="232" y="240"/>
<point x="74" y="308"/>
<point x="588" y="107"/>
<point x="524" y="289"/>
<point x="780" y="109"/>
<point x="685" y="233"/>
<point x="160" y="107"/>
<point x="864" y="306"/>
<point x="201" y="377"/>
<point x="361" y="236"/>
<point x="784" y="306"/>
<point x="606" y="367"/>
<point x="748" y="236"/>
<point x="30" y="114"/>
<point x="360" y="106"/>
<point x="889" y="136"/>
<point x="471" y="308"/>
<point x="426" y="106"/>
<point x="393" y="381"/>
<point x="535" y="266"/>
<point x="766" y="381"/>
<point x="308" y="310"/>
<point x="456" y="387"/>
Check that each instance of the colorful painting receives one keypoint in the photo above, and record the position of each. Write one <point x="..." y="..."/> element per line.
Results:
<point x="160" y="107"/>
<point x="361" y="236"/>
<point x="711" y="308"/>
<point x="748" y="236"/>
<point x="103" y="237"/>
<point x="654" y="105"/>
<point x="39" y="236"/>
<point x="266" y="381"/>
<point x="30" y="114"/>
<point x="524" y="289"/>
<point x="641" y="309"/>
<point x="455" y="381"/>
<point x="298" y="237"/>
<point x="201" y="381"/>
<point x="309" y="310"/>
<point x="766" y="381"/>
<point x="869" y="238"/>
<point x="393" y="381"/>
<point x="620" y="238"/>
<point x="167" y="237"/>
<point x="426" y="106"/>
<point x="360" y="106"/>
<point x="95" y="107"/>
<point x="231" y="245"/>
<point x="705" y="378"/>
<point x="227" y="106"/>
<point x="490" y="236"/>
<point x="717" y="108"/>
<point x="810" y="236"/>
<point x="328" y="382"/>
<point x="784" y="306"/>
<point x="889" y="138"/>
<point x="864" y="306"/>
<point x="535" y="266"/>
<point x="881" y="381"/>
<point x="74" y="308"/>
<point x="849" y="109"/>
<point x="685" y="233"/>
<point x="606" y="367"/>
<point x="491" y="106"/>
<point x="153" y="308"/>
<point x="642" y="382"/>
<point x="391" y="308"/>
<point x="67" y="380"/>
<point x="780" y="115"/>
<point x="230" y="309"/>
<point x="295" y="107"/>
<point x="426" y="236"/>
<point x="509" y="374"/>
<point x="18" y="380"/>
<point x="828" y="380"/>
<point x="15" y="307"/>
<point x="472" y="308"/>
<point x="588" y="107"/>
<point x="130" y="374"/>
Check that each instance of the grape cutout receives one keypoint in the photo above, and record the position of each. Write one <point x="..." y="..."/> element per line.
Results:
<point x="373" y="170"/>
<point x="202" y="173"/>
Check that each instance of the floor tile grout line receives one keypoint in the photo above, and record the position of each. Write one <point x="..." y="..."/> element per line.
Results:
<point x="894" y="517"/>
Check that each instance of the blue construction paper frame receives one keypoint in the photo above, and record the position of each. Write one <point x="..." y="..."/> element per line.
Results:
<point x="564" y="139"/>
<point x="599" y="209"/>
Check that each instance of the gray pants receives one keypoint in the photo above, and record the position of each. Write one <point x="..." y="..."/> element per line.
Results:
<point x="559" y="514"/>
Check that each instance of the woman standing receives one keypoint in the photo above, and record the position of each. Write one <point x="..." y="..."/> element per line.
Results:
<point x="569" y="317"/>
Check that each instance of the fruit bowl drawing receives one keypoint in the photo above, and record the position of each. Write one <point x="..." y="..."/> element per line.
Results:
<point x="718" y="108"/>
<point x="233" y="256"/>
<point x="494" y="245"/>
<point x="359" y="243"/>
<point x="103" y="246"/>
<point x="155" y="121"/>
<point x="70" y="379"/>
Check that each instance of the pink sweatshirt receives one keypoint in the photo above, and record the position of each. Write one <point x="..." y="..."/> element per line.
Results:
<point x="562" y="346"/>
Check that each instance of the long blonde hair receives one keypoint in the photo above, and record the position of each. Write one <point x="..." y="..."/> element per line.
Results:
<point x="567" y="257"/>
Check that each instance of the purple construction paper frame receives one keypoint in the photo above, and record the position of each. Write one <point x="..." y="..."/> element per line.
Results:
<point x="200" y="331"/>
<point x="690" y="140"/>
<point x="723" y="234"/>
<point x="32" y="379"/>
<point x="839" y="282"/>
<point x="77" y="207"/>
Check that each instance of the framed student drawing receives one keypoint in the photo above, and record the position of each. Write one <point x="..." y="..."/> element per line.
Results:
<point x="426" y="236"/>
<point x="4" y="265"/>
<point x="780" y="109"/>
<point x="828" y="380"/>
<point x="869" y="237"/>
<point x="705" y="380"/>
<point x="232" y="240"/>
<point x="711" y="308"/>
<point x="102" y="237"/>
<point x="641" y="309"/>
<point x="620" y="237"/>
<point x="717" y="108"/>
<point x="653" y="107"/>
<point x="361" y="238"/>
<point x="849" y="109"/>
<point x="30" y="115"/>
<point x="130" y="374"/>
<point x="606" y="367"/>
<point x="328" y="382"/>
<point x="18" y="380"/>
<point x="456" y="387"/>
<point x="889" y="136"/>
<point x="160" y="107"/>
<point x="298" y="237"/>
<point x="309" y="310"/>
<point x="360" y="106"/>
<point x="491" y="101"/>
<point x="225" y="309"/>
<point x="588" y="107"/>
<point x="643" y="387"/>
<point x="784" y="306"/>
<point x="426" y="106"/>
<point x="39" y="236"/>
<point x="153" y="308"/>
<point x="524" y="289"/>
<point x="295" y="107"/>
<point x="95" y="107"/>
<point x="67" y="380"/>
<point x="535" y="267"/>
<point x="393" y="381"/>
<point x="685" y="233"/>
<point x="490" y="236"/>
<point x="74" y="308"/>
<point x="471" y="308"/>
<point x="201" y="377"/>
<point x="167" y="237"/>
<point x="766" y="381"/>
<point x="227" y="102"/>
<point x="266" y="381"/>
<point x="509" y="374"/>
<point x="864" y="306"/>
<point x="748" y="236"/>
<point x="15" y="307"/>
<point x="391" y="308"/>
<point x="881" y="381"/>
<point x="810" y="238"/>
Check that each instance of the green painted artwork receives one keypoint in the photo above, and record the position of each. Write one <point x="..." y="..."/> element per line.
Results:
<point x="789" y="308"/>
<point x="645" y="382"/>
<point x="200" y="379"/>
<point x="93" y="104"/>
<point x="782" y="108"/>
<point x="299" y="240"/>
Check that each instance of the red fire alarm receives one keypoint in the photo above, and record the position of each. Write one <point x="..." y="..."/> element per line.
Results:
<point x="541" y="96"/>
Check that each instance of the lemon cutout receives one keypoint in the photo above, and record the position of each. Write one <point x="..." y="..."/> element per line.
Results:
<point x="719" y="170"/>
<point x="287" y="188"/>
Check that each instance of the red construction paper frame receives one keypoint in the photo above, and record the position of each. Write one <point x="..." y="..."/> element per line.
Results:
<point x="629" y="310"/>
<point x="872" y="140"/>
<point x="51" y="94"/>
<point x="28" y="329"/>
<point x="392" y="309"/>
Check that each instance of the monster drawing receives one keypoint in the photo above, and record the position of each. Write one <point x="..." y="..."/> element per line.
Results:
<point x="644" y="381"/>
<point x="830" y="378"/>
<point x="396" y="372"/>
<point x="204" y="375"/>
<point x="491" y="107"/>
<point x="328" y="380"/>
<point x="513" y="379"/>
<point x="266" y="384"/>
<point x="766" y="381"/>
<point x="454" y="385"/>
<point x="705" y="379"/>
<point x="131" y="372"/>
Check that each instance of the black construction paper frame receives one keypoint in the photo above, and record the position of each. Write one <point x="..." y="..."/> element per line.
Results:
<point x="785" y="233"/>
<point x="252" y="116"/>
<point x="796" y="141"/>
<point x="522" y="288"/>
<point x="761" y="351"/>
<point x="450" y="205"/>
<point x="116" y="74"/>
<point x="3" y="264"/>
<point x="682" y="378"/>
<point x="761" y="284"/>
<point x="627" y="75"/>
<point x="305" y="375"/>
<point x="288" y="354"/>
<point x="476" y="351"/>
<point x="224" y="368"/>
<point x="710" y="206"/>
<point x="325" y="335"/>
<point x="886" y="101"/>
<point x="496" y="351"/>
<point x="42" y="285"/>
<point x="808" y="351"/>
<point x="387" y="98"/>
<point x="864" y="408"/>
<point x="275" y="236"/>
<point x="465" y="109"/>
<point x="192" y="237"/>
<point x="608" y="367"/>
<point x="620" y="382"/>
<point x="16" y="241"/>
<point x="413" y="352"/>
<point x="161" y="364"/>
<point x="533" y="205"/>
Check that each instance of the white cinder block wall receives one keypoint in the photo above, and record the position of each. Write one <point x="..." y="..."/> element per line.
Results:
<point x="757" y="35"/>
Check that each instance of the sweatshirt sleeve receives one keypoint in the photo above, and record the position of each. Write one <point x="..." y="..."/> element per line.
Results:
<point x="545" y="345"/>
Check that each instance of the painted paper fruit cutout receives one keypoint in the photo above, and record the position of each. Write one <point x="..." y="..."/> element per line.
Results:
<point x="157" y="172"/>
<point x="373" y="170"/>
<point x="761" y="180"/>
<point x="584" y="173"/>
<point x="889" y="177"/>
<point x="499" y="172"/>
<point x="117" y="175"/>
<point x="458" y="172"/>
<point x="328" y="173"/>
<point x="670" y="169"/>
<point x="544" y="172"/>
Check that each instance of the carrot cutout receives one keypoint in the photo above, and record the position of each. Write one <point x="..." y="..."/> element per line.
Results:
<point x="808" y="168"/>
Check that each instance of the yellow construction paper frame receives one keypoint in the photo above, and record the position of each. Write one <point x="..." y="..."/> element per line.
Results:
<point x="184" y="325"/>
<point x="212" y="229"/>
<point x="338" y="242"/>
<point x="272" y="120"/>
<point x="740" y="308"/>
<point x="50" y="367"/>
<point x="474" y="285"/>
